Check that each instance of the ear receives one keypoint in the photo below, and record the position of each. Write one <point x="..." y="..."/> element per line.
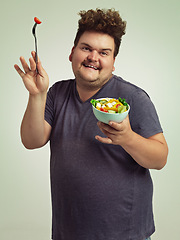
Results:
<point x="113" y="66"/>
<point x="70" y="56"/>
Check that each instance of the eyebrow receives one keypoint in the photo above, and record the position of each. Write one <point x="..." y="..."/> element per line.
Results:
<point x="103" y="49"/>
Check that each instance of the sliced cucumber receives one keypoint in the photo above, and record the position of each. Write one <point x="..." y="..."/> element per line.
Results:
<point x="121" y="109"/>
<point x="103" y="101"/>
<point x="111" y="111"/>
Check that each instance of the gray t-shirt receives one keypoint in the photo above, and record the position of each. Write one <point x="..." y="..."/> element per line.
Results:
<point x="98" y="191"/>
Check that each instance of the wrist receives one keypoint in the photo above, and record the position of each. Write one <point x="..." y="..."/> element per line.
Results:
<point x="129" y="140"/>
<point x="39" y="98"/>
<point x="38" y="95"/>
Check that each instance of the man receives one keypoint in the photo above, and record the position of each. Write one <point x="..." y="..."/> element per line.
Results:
<point x="100" y="180"/>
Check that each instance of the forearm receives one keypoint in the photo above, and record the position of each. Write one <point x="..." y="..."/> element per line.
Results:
<point x="149" y="153"/>
<point x="32" y="127"/>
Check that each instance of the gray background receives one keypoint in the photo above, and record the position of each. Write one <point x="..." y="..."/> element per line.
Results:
<point x="149" y="57"/>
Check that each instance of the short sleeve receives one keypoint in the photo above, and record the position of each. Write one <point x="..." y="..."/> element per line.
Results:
<point x="143" y="115"/>
<point x="49" y="108"/>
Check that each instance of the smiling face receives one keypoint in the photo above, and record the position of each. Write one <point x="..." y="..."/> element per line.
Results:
<point x="93" y="60"/>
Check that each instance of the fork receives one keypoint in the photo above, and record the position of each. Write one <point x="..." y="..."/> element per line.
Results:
<point x="37" y="21"/>
<point x="34" y="34"/>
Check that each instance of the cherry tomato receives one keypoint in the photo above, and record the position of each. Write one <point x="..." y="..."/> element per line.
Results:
<point x="37" y="20"/>
<point x="103" y="110"/>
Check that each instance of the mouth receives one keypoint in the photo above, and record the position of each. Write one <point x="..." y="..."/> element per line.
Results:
<point x="91" y="66"/>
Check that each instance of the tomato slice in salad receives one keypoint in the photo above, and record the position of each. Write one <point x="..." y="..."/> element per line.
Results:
<point x="103" y="109"/>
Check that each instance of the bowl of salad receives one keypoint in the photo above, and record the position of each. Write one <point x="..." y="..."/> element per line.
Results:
<point x="110" y="109"/>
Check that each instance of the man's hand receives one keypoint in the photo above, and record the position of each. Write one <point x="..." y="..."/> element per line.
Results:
<point x="148" y="152"/>
<point x="35" y="131"/>
<point x="34" y="82"/>
<point x="117" y="133"/>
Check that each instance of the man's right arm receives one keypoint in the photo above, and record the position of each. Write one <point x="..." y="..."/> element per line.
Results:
<point x="35" y="131"/>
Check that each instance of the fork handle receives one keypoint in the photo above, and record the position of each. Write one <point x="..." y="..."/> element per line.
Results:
<point x="36" y="53"/>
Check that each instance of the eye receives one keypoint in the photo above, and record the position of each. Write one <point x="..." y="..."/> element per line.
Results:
<point x="104" y="53"/>
<point x="86" y="49"/>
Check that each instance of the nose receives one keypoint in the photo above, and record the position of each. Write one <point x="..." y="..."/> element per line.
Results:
<point x="93" y="56"/>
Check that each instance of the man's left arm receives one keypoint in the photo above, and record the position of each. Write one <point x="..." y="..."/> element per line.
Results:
<point x="149" y="152"/>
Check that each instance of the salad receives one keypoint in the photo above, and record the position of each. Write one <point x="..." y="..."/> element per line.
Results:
<point x="110" y="105"/>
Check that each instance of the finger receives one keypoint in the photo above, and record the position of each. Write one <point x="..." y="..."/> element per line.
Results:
<point x="119" y="126"/>
<point x="107" y="134"/>
<point x="105" y="127"/>
<point x="33" y="53"/>
<point x="21" y="73"/>
<point x="24" y="65"/>
<point x="103" y="140"/>
<point x="39" y="65"/>
<point x="116" y="126"/>
<point x="32" y="64"/>
<point x="40" y="69"/>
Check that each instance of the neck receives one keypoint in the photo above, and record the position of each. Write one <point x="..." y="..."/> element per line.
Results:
<point x="85" y="94"/>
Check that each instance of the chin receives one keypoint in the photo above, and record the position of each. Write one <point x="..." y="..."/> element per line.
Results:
<point x="86" y="77"/>
<point x="91" y="85"/>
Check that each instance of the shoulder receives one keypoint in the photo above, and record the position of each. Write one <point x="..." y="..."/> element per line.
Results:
<point x="126" y="84"/>
<point x="60" y="88"/>
<point x="62" y="84"/>
<point x="129" y="90"/>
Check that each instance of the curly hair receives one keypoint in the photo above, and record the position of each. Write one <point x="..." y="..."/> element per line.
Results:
<point x="102" y="20"/>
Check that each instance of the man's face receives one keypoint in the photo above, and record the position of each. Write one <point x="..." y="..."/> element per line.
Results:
<point x="93" y="60"/>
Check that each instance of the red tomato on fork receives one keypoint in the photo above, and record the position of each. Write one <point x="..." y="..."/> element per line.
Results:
<point x="37" y="20"/>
